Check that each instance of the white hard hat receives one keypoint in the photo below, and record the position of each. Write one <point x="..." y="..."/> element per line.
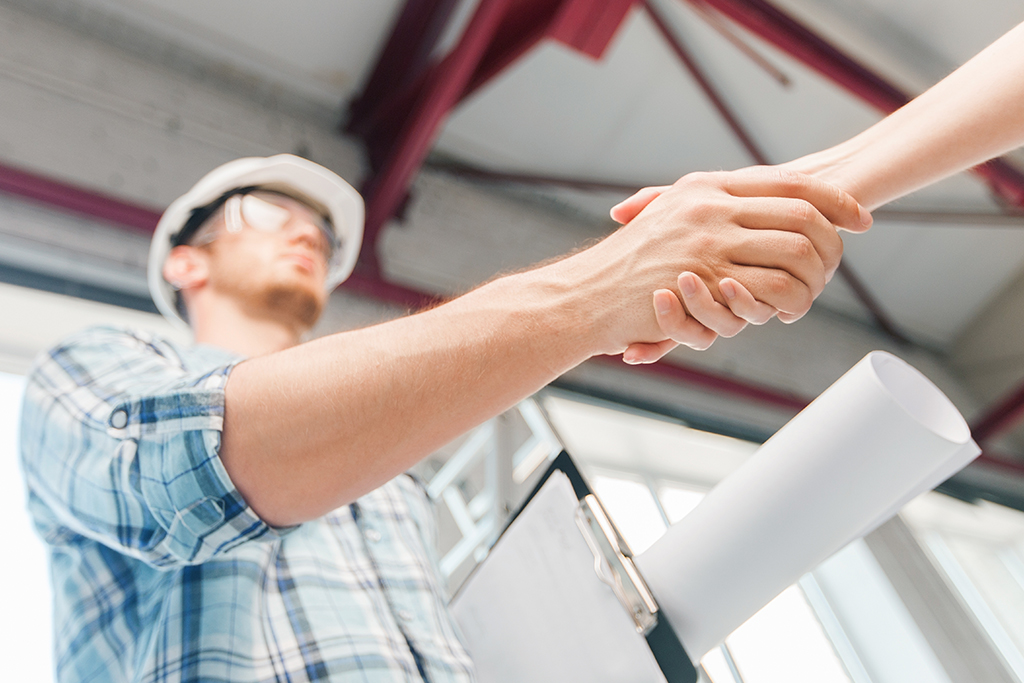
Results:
<point x="285" y="173"/>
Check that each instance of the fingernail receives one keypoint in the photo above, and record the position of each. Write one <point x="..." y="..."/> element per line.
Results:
<point x="728" y="288"/>
<point x="630" y="361"/>
<point x="687" y="284"/>
<point x="865" y="217"/>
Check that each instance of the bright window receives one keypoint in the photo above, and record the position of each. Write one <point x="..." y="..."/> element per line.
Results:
<point x="980" y="549"/>
<point x="26" y="616"/>
<point x="842" y="623"/>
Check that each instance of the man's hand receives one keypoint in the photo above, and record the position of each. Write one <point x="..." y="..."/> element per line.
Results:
<point x="807" y="209"/>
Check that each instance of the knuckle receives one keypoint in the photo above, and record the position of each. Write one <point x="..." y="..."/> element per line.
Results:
<point x="695" y="178"/>
<point x="789" y="179"/>
<point x="801" y="212"/>
<point x="778" y="283"/>
<point x="842" y="200"/>
<point x="705" y="243"/>
<point x="802" y="248"/>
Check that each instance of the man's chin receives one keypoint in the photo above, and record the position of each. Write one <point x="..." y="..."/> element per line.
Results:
<point x="297" y="303"/>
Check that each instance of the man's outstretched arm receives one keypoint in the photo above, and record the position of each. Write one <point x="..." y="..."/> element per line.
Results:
<point x="316" y="426"/>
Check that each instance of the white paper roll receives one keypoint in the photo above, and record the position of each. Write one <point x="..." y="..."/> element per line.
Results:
<point x="878" y="437"/>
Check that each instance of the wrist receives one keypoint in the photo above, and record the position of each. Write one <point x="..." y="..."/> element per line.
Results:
<point x="577" y="299"/>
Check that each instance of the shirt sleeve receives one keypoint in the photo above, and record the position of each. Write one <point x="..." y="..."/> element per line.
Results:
<point x="120" y="443"/>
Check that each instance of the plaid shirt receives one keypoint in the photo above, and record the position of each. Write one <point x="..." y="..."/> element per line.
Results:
<point x="160" y="570"/>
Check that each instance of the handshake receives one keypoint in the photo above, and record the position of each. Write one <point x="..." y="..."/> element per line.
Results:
<point x="746" y="246"/>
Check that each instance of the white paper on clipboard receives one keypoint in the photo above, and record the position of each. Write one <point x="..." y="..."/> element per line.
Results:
<point x="536" y="610"/>
<point x="878" y="437"/>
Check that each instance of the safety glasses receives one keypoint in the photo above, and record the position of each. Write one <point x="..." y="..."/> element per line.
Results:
<point x="270" y="212"/>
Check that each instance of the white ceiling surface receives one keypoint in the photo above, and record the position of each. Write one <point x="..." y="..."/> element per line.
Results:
<point x="637" y="117"/>
<point x="323" y="49"/>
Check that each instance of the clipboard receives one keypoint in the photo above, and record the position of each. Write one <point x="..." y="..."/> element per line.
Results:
<point x="559" y="598"/>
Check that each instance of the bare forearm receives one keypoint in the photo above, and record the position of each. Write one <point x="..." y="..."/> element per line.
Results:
<point x="314" y="427"/>
<point x="973" y="115"/>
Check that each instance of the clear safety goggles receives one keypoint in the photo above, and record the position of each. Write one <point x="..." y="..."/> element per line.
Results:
<point x="271" y="212"/>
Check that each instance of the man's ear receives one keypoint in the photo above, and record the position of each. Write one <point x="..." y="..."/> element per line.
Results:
<point x="186" y="267"/>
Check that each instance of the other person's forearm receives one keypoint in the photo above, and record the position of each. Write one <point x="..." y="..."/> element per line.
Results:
<point x="973" y="115"/>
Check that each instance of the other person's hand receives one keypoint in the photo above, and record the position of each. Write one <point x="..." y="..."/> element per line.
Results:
<point x="809" y="210"/>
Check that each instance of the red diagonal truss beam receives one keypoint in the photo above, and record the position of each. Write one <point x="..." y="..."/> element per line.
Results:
<point x="1003" y="415"/>
<point x="399" y="116"/>
<point x="705" y="84"/>
<point x="441" y="90"/>
<point x="413" y="38"/>
<point x="789" y="35"/>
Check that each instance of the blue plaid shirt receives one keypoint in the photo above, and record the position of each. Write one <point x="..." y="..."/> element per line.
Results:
<point x="160" y="570"/>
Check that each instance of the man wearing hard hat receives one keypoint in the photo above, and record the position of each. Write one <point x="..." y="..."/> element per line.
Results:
<point x="235" y="510"/>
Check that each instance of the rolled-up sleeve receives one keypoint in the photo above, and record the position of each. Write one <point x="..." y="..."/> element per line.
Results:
<point x="120" y="442"/>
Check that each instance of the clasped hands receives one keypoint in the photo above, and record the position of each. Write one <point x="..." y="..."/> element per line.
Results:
<point x="786" y="249"/>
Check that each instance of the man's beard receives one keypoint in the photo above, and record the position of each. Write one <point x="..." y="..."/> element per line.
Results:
<point x="296" y="303"/>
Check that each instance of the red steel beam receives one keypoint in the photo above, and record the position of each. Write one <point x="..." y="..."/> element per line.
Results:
<point x="522" y="27"/>
<point x="469" y="172"/>
<point x="1000" y="461"/>
<point x="443" y="89"/>
<point x="710" y="91"/>
<point x="521" y="32"/>
<point x="406" y="55"/>
<point x="757" y="393"/>
<point x="725" y="28"/>
<point x="407" y="120"/>
<point x="1000" y="417"/>
<point x="56" y="194"/>
<point x="868" y="300"/>
<point x="373" y="286"/>
<point x="789" y="35"/>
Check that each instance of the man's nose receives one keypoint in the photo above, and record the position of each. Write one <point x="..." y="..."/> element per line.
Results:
<point x="303" y="230"/>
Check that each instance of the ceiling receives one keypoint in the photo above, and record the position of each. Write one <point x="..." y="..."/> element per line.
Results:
<point x="637" y="117"/>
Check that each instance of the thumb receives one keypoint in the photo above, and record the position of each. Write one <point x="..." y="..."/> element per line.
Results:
<point x="627" y="210"/>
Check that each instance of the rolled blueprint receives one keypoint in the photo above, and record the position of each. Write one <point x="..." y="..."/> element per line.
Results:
<point x="878" y="437"/>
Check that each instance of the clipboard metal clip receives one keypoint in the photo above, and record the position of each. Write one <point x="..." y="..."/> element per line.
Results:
<point x="613" y="563"/>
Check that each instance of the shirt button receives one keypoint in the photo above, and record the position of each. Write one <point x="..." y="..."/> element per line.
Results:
<point x="373" y="536"/>
<point x="405" y="615"/>
<point x="119" y="419"/>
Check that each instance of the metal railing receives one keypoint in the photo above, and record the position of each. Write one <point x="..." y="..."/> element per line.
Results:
<point x="484" y="480"/>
